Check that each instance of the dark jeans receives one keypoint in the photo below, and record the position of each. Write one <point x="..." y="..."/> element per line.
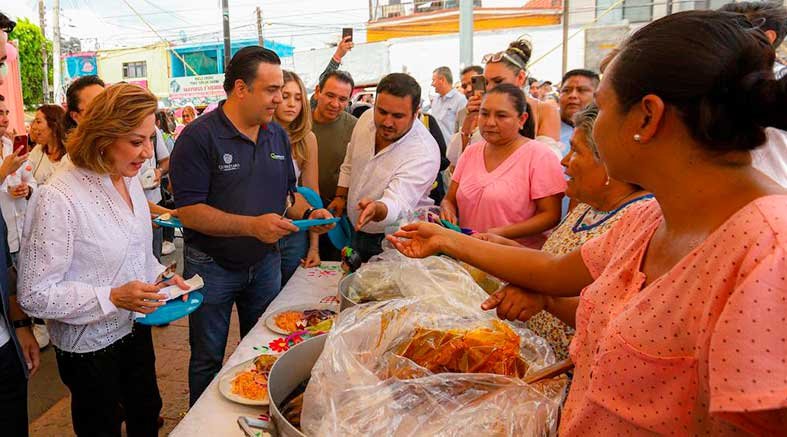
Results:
<point x="251" y="289"/>
<point x="293" y="249"/>
<point x="367" y="245"/>
<point x="120" y="375"/>
<point x="13" y="393"/>
<point x="158" y="240"/>
<point x="329" y="252"/>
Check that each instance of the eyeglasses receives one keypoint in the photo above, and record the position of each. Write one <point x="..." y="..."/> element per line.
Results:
<point x="499" y="56"/>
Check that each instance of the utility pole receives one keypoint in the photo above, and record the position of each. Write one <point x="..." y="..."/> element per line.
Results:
<point x="56" y="55"/>
<point x="565" y="36"/>
<point x="42" y="23"/>
<point x="371" y="11"/>
<point x="669" y="7"/>
<point x="465" y="33"/>
<point x="225" y="17"/>
<point x="259" y="27"/>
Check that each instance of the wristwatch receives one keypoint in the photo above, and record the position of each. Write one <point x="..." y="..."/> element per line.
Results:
<point x="22" y="323"/>
<point x="307" y="213"/>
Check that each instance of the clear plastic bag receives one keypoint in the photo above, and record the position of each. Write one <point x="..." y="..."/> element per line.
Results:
<point x="388" y="367"/>
<point x="393" y="275"/>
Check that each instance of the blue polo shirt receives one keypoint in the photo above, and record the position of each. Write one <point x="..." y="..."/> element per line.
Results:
<point x="213" y="163"/>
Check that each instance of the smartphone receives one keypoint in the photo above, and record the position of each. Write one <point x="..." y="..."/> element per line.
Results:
<point x="347" y="31"/>
<point x="20" y="144"/>
<point x="479" y="84"/>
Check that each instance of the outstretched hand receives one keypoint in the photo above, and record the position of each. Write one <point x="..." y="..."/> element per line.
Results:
<point x="420" y="240"/>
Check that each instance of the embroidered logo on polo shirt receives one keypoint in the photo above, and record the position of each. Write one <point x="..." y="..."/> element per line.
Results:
<point x="277" y="157"/>
<point x="228" y="165"/>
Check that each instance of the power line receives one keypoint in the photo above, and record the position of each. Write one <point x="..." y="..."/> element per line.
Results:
<point x="174" y="14"/>
<point x="177" y="55"/>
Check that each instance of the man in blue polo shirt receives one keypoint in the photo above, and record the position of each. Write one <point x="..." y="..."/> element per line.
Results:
<point x="232" y="176"/>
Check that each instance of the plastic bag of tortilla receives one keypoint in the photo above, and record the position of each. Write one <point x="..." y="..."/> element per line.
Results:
<point x="427" y="365"/>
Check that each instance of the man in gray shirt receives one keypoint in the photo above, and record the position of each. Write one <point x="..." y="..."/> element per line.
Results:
<point x="332" y="126"/>
<point x="448" y="102"/>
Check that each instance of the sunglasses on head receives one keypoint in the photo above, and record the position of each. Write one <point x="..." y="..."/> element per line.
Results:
<point x="500" y="56"/>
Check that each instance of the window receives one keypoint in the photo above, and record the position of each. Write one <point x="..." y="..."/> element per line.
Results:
<point x="135" y="70"/>
<point x="635" y="11"/>
<point x="638" y="11"/>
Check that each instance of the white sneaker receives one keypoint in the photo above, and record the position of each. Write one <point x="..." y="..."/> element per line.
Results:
<point x="41" y="334"/>
<point x="167" y="248"/>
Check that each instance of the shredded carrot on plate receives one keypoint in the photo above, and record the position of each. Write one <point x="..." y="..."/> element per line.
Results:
<point x="251" y="385"/>
<point x="288" y="320"/>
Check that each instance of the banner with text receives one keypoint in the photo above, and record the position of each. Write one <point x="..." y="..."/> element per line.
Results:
<point x="196" y="90"/>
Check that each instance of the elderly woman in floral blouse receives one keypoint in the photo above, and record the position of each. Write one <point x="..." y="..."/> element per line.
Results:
<point x="603" y="202"/>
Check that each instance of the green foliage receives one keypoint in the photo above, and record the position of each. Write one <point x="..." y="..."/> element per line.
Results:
<point x="31" y="67"/>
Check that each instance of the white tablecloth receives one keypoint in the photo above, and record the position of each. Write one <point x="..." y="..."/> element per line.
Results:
<point x="213" y="415"/>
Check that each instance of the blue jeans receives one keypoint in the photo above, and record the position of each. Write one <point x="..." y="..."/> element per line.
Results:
<point x="158" y="240"/>
<point x="293" y="249"/>
<point x="367" y="245"/>
<point x="251" y="289"/>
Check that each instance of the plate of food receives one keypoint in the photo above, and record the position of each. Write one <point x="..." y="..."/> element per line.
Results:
<point x="287" y="320"/>
<point x="247" y="383"/>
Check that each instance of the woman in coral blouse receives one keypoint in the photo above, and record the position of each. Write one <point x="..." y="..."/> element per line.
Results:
<point x="680" y="327"/>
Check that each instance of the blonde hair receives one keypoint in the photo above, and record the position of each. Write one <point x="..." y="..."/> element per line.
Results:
<point x="190" y="109"/>
<point x="114" y="113"/>
<point x="299" y="128"/>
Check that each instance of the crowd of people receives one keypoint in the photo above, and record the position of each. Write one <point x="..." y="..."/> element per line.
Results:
<point x="638" y="218"/>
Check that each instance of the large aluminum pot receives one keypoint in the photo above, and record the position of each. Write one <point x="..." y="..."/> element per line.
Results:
<point x="288" y="372"/>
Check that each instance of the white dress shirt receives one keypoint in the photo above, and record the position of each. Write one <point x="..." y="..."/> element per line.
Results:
<point x="445" y="109"/>
<point x="83" y="240"/>
<point x="43" y="168"/>
<point x="14" y="209"/>
<point x="162" y="152"/>
<point x="401" y="175"/>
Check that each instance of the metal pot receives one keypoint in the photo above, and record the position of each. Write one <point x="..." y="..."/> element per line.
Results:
<point x="344" y="289"/>
<point x="289" y="371"/>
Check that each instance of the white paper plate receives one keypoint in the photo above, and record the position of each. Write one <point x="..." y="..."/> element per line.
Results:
<point x="225" y="384"/>
<point x="270" y="321"/>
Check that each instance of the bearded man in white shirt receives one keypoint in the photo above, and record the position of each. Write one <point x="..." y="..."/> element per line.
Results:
<point x="390" y="165"/>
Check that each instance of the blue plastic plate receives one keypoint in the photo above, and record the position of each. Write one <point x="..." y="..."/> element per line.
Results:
<point x="306" y="224"/>
<point x="311" y="196"/>
<point x="174" y="222"/>
<point x="173" y="310"/>
<point x="341" y="235"/>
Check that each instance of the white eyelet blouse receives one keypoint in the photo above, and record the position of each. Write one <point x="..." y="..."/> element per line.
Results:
<point x="81" y="241"/>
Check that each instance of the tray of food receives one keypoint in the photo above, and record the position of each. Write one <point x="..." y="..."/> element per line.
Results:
<point x="247" y="383"/>
<point x="300" y="317"/>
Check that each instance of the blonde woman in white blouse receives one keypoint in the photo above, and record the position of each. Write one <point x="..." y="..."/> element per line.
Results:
<point x="87" y="266"/>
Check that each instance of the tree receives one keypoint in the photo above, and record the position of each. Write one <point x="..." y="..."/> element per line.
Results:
<point x="31" y="66"/>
